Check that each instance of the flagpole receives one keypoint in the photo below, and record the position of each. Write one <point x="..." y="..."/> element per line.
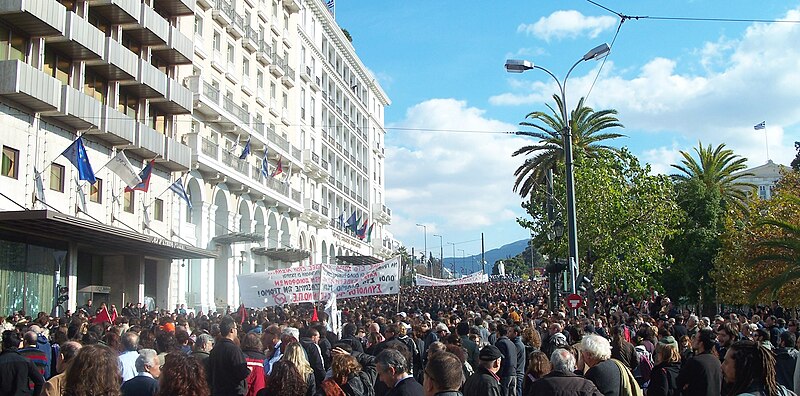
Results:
<point x="766" y="141"/>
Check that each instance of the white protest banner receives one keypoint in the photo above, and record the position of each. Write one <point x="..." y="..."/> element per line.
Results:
<point x="360" y="280"/>
<point x="476" y="277"/>
<point x="281" y="286"/>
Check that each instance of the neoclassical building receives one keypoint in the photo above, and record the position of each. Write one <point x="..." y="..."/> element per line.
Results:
<point x="261" y="109"/>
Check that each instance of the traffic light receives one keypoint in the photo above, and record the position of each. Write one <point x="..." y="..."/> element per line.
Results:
<point x="584" y="282"/>
<point x="556" y="266"/>
<point x="63" y="294"/>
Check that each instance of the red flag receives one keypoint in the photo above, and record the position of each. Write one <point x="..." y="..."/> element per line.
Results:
<point x="242" y="313"/>
<point x="278" y="169"/>
<point x="145" y="176"/>
<point x="314" y="317"/>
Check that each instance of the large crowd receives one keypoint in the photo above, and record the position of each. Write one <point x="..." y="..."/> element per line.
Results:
<point x="495" y="338"/>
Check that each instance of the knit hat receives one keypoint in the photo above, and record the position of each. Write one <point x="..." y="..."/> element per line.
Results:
<point x="669" y="340"/>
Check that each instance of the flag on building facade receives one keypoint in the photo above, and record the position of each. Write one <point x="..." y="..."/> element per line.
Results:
<point x="76" y="154"/>
<point x="351" y="221"/>
<point x="246" y="150"/>
<point x="279" y="168"/>
<point x="177" y="188"/>
<point x="81" y="196"/>
<point x="341" y="220"/>
<point x="144" y="175"/>
<point x="362" y="232"/>
<point x="37" y="178"/>
<point x="123" y="168"/>
<point x="760" y="126"/>
<point x="369" y="232"/>
<point x="265" y="164"/>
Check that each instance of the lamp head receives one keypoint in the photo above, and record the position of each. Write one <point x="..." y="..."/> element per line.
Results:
<point x="599" y="52"/>
<point x="518" y="65"/>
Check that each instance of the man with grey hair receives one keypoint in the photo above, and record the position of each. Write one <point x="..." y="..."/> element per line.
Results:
<point x="562" y="380"/>
<point x="393" y="370"/>
<point x="127" y="359"/>
<point x="607" y="374"/>
<point x="145" y="382"/>
<point x="202" y="348"/>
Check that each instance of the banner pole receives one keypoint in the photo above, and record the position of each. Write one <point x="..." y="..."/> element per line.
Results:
<point x="398" y="301"/>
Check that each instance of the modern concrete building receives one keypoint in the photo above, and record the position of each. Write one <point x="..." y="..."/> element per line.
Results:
<point x="191" y="86"/>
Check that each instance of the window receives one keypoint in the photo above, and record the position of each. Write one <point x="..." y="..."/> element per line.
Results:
<point x="96" y="192"/>
<point x="95" y="86"/>
<point x="231" y="53"/>
<point x="260" y="80"/>
<point x="198" y="25"/>
<point x="158" y="120"/>
<point x="158" y="210"/>
<point x="217" y="43"/>
<point x="272" y="90"/>
<point x="57" y="66"/>
<point x="285" y="101"/>
<point x="10" y="160"/>
<point x="303" y="103"/>
<point x="57" y="177"/>
<point x="127" y="203"/>
<point x="246" y="68"/>
<point x="128" y="103"/>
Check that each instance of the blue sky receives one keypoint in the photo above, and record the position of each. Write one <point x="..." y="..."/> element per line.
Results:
<point x="674" y="83"/>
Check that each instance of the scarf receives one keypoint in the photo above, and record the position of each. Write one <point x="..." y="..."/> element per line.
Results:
<point x="331" y="388"/>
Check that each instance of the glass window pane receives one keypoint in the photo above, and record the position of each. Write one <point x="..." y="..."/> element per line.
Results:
<point x="96" y="192"/>
<point x="10" y="159"/>
<point x="57" y="177"/>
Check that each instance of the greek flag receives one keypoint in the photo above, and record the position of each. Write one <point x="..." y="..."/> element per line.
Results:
<point x="177" y="188"/>
<point x="762" y="125"/>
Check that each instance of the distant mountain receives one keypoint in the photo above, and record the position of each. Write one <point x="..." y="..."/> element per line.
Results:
<point x="470" y="264"/>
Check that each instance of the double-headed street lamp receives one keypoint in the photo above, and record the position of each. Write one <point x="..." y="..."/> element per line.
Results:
<point x="519" y="66"/>
<point x="425" y="252"/>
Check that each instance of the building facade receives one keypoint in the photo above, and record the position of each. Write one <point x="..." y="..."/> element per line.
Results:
<point x="764" y="177"/>
<point x="260" y="108"/>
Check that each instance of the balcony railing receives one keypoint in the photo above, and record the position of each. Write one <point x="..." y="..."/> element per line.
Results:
<point x="209" y="148"/>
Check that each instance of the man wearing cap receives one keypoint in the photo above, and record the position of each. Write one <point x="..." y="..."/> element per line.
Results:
<point x="485" y="382"/>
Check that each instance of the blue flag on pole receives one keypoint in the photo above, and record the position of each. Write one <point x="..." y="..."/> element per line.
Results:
<point x="246" y="150"/>
<point x="341" y="220"/>
<point x="76" y="154"/>
<point x="351" y="221"/>
<point x="177" y="188"/>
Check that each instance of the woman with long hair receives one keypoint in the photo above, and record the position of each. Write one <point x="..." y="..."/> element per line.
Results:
<point x="295" y="354"/>
<point x="182" y="375"/>
<point x="667" y="359"/>
<point x="284" y="380"/>
<point x="749" y="369"/>
<point x="94" y="372"/>
<point x="538" y="366"/>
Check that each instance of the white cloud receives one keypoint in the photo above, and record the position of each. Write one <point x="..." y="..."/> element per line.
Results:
<point x="736" y="83"/>
<point x="567" y="24"/>
<point x="662" y="158"/>
<point x="457" y="181"/>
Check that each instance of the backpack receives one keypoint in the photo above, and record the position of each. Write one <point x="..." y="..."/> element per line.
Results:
<point x="644" y="367"/>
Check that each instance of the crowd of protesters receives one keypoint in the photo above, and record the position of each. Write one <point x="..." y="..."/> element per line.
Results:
<point x="496" y="338"/>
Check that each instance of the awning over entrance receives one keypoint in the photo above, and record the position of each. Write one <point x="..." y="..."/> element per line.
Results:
<point x="49" y="225"/>
<point x="359" y="260"/>
<point x="283" y="254"/>
<point x="236" y="237"/>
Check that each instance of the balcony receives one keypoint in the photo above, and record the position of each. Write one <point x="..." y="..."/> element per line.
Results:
<point x="152" y="29"/>
<point x="236" y="28"/>
<point x="152" y="82"/>
<point x="205" y="4"/>
<point x="261" y="97"/>
<point x="315" y="84"/>
<point x="148" y="142"/>
<point x="178" y="157"/>
<point x="278" y="140"/>
<point x="314" y="166"/>
<point x="29" y="87"/>
<point x="81" y="40"/>
<point x="77" y="110"/>
<point x="34" y="17"/>
<point x="291" y="5"/>
<point x="288" y="78"/>
<point x="287" y="41"/>
<point x="178" y="50"/>
<point x="305" y="73"/>
<point x="238" y="113"/>
<point x="117" y="12"/>
<point x="276" y="68"/>
<point x="223" y="13"/>
<point x="178" y="99"/>
<point x="250" y="39"/>
<point x="116" y="128"/>
<point x="273" y="107"/>
<point x="117" y="64"/>
<point x="264" y="53"/>
<point x="206" y="97"/>
<point x="285" y="117"/>
<point x="381" y="213"/>
<point x="312" y="213"/>
<point x="174" y="8"/>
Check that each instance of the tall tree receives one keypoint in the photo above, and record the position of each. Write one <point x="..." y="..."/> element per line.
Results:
<point x="760" y="255"/>
<point x="587" y="127"/>
<point x="718" y="169"/>
<point x="796" y="160"/>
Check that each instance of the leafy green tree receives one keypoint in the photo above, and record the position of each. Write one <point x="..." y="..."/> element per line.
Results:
<point x="587" y="127"/>
<point x="760" y="256"/>
<point x="719" y="169"/>
<point x="624" y="215"/>
<point x="796" y="160"/>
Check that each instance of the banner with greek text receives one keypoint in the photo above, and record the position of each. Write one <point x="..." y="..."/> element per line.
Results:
<point x="281" y="286"/>
<point x="317" y="282"/>
<point x="476" y="277"/>
<point x="361" y="280"/>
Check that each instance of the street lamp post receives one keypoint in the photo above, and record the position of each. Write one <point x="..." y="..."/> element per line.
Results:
<point x="441" y="256"/>
<point x="454" y="258"/>
<point x="425" y="251"/>
<point x="462" y="256"/>
<point x="519" y="66"/>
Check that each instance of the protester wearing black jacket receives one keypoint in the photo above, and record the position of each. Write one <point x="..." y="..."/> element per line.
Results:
<point x="15" y="370"/>
<point x="226" y="363"/>
<point x="508" y="366"/>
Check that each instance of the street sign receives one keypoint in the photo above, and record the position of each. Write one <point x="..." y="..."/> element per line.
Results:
<point x="574" y="301"/>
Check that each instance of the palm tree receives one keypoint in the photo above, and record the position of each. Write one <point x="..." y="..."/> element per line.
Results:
<point x="585" y="124"/>
<point x="784" y="249"/>
<point x="718" y="169"/>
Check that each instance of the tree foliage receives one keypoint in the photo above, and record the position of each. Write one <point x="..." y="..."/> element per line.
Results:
<point x="796" y="160"/>
<point x="586" y="126"/>
<point x="760" y="255"/>
<point x="623" y="215"/>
